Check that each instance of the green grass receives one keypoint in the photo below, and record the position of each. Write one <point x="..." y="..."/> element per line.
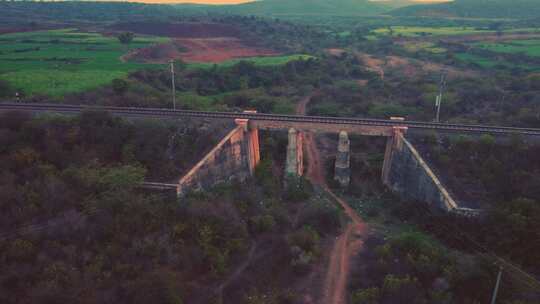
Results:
<point x="490" y="63"/>
<point x="416" y="46"/>
<point x="64" y="61"/>
<point x="418" y="31"/>
<point x="479" y="60"/>
<point x="527" y="47"/>
<point x="258" y="61"/>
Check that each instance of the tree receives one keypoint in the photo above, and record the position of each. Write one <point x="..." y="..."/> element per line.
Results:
<point x="119" y="86"/>
<point x="5" y="89"/>
<point x="179" y="65"/>
<point x="125" y="38"/>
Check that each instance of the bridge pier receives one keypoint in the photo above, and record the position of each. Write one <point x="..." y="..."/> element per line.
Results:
<point x="252" y="143"/>
<point x="295" y="154"/>
<point x="342" y="170"/>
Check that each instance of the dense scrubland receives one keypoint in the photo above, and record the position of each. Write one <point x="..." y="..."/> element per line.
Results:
<point x="227" y="244"/>
<point x="76" y="229"/>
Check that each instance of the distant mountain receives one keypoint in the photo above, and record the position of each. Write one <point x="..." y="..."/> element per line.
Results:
<point x="395" y="3"/>
<point x="516" y="9"/>
<point x="305" y="7"/>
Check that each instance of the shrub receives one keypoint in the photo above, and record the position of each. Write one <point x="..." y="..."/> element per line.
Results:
<point x="119" y="86"/>
<point x="306" y="238"/>
<point x="262" y="223"/>
<point x="366" y="296"/>
<point x="297" y="189"/>
<point x="5" y="89"/>
<point x="401" y="290"/>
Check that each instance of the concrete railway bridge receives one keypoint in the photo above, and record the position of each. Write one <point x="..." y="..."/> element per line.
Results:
<point x="238" y="153"/>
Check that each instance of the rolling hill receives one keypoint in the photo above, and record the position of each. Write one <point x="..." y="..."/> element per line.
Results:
<point x="305" y="7"/>
<point x="514" y="9"/>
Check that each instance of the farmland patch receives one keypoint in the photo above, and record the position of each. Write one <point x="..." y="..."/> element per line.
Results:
<point x="417" y="46"/>
<point x="258" y="61"/>
<point x="57" y="62"/>
<point x="527" y="47"/>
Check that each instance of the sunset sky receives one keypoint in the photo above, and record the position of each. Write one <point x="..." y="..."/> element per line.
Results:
<point x="233" y="1"/>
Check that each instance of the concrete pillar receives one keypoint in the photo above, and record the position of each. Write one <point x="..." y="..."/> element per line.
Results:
<point x="252" y="142"/>
<point x="295" y="155"/>
<point x="254" y="150"/>
<point x="342" y="173"/>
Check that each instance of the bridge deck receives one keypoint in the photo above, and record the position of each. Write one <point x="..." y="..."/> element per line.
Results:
<point x="275" y="121"/>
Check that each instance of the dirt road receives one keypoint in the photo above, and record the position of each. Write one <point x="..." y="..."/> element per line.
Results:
<point x="349" y="242"/>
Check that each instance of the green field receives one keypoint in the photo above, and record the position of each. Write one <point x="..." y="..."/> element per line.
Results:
<point x="527" y="47"/>
<point x="418" y="31"/>
<point x="64" y="61"/>
<point x="416" y="46"/>
<point x="258" y="61"/>
<point x="58" y="62"/>
<point x="490" y="63"/>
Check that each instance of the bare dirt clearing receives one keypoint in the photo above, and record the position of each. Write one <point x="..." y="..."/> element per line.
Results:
<point x="335" y="52"/>
<point x="410" y="67"/>
<point x="191" y="50"/>
<point x="192" y="42"/>
<point x="219" y="49"/>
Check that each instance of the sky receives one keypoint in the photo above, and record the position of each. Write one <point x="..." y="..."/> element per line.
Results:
<point x="232" y="1"/>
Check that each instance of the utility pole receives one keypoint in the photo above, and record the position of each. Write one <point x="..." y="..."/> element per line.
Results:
<point x="438" y="100"/>
<point x="496" y="290"/>
<point x="173" y="85"/>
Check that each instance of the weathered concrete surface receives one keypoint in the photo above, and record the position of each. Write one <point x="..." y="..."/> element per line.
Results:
<point x="295" y="154"/>
<point x="233" y="158"/>
<point x="342" y="170"/>
<point x="408" y="175"/>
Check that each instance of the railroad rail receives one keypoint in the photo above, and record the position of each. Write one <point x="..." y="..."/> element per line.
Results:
<point x="170" y="113"/>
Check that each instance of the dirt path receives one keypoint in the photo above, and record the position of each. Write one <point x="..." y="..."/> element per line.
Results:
<point x="218" y="290"/>
<point x="239" y="270"/>
<point x="349" y="242"/>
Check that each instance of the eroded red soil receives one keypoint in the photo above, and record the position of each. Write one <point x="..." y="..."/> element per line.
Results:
<point x="214" y="50"/>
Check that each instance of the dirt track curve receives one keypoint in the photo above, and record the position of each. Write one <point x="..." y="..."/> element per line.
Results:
<point x="349" y="242"/>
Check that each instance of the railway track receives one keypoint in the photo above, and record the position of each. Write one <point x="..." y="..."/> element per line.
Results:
<point x="170" y="113"/>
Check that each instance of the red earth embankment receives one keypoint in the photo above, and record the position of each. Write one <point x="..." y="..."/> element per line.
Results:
<point x="193" y="42"/>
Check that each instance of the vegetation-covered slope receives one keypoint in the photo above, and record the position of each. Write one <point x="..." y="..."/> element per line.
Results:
<point x="307" y="7"/>
<point x="517" y="9"/>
